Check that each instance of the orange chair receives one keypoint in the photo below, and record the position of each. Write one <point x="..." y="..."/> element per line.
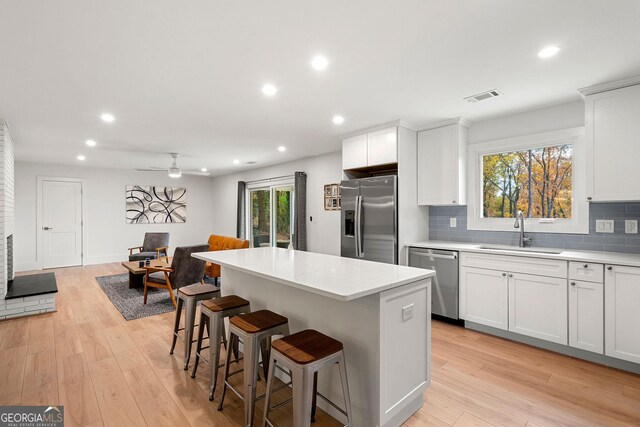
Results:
<point x="222" y="243"/>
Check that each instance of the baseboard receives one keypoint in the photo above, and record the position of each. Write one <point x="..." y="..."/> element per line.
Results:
<point x="27" y="266"/>
<point x="105" y="259"/>
<point x="90" y="260"/>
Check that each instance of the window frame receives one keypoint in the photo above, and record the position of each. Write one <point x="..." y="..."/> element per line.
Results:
<point x="272" y="185"/>
<point x="578" y="224"/>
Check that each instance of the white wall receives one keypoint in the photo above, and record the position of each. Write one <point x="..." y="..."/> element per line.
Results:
<point x="108" y="235"/>
<point x="323" y="232"/>
<point x="547" y="119"/>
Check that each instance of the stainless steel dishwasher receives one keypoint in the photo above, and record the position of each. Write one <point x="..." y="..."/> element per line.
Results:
<point x="444" y="286"/>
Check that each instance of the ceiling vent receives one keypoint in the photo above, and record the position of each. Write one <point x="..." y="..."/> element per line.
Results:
<point x="482" y="96"/>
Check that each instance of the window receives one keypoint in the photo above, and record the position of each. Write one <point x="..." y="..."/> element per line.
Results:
<point x="542" y="175"/>
<point x="536" y="181"/>
<point x="270" y="214"/>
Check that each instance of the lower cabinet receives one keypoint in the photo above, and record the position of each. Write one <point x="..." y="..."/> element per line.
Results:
<point x="622" y="312"/>
<point x="484" y="297"/>
<point x="538" y="306"/>
<point x="586" y="315"/>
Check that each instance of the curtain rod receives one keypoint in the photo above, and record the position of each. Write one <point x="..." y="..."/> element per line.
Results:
<point x="277" y="178"/>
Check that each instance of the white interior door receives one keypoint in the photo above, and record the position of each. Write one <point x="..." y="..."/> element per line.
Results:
<point x="61" y="223"/>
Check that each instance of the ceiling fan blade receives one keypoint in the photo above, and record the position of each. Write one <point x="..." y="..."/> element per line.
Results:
<point x="151" y="170"/>
<point x="195" y="173"/>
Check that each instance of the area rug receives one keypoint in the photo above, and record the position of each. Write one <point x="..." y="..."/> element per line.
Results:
<point x="129" y="302"/>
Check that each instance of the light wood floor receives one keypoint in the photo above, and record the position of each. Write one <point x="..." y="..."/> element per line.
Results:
<point x="107" y="371"/>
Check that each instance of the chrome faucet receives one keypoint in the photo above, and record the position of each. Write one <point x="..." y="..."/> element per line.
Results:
<point x="520" y="224"/>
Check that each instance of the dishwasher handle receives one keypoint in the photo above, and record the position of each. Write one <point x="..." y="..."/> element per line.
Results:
<point x="428" y="255"/>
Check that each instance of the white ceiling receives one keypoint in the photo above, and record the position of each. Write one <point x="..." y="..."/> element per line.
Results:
<point x="185" y="76"/>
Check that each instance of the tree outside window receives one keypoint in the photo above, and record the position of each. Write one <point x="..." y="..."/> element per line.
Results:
<point x="537" y="181"/>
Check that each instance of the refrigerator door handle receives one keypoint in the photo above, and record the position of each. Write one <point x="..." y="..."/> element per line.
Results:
<point x="356" y="231"/>
<point x="360" y="235"/>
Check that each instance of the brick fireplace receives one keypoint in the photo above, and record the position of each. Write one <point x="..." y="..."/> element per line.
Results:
<point x="15" y="304"/>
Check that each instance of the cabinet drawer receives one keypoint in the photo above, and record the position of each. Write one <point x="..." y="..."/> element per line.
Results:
<point x="516" y="264"/>
<point x="587" y="271"/>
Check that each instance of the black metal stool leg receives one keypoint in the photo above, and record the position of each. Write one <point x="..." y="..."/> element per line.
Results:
<point x="232" y="339"/>
<point x="314" y="400"/>
<point x="176" y="326"/>
<point x="201" y="328"/>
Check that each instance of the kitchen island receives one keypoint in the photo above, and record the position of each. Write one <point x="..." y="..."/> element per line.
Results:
<point x="380" y="312"/>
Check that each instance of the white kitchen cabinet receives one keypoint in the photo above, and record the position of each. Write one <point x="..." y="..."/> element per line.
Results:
<point x="382" y="147"/>
<point x="484" y="297"/>
<point x="375" y="148"/>
<point x="442" y="164"/>
<point x="538" y="306"/>
<point x="622" y="312"/>
<point x="587" y="271"/>
<point x="354" y="152"/>
<point x="586" y="315"/>
<point x="612" y="128"/>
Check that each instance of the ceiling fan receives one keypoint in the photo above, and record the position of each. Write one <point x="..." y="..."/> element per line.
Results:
<point x="174" y="171"/>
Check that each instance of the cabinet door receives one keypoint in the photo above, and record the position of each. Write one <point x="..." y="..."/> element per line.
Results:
<point x="483" y="297"/>
<point x="354" y="152"/>
<point x="383" y="147"/>
<point x="622" y="312"/>
<point x="538" y="307"/>
<point x="440" y="163"/>
<point x="586" y="316"/>
<point x="612" y="129"/>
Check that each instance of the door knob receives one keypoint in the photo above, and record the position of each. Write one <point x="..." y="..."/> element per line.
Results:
<point x="47" y="228"/>
<point x="609" y="268"/>
<point x="573" y="283"/>
<point x="504" y="274"/>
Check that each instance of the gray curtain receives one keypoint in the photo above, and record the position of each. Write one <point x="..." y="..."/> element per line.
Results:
<point x="300" y="212"/>
<point x="241" y="219"/>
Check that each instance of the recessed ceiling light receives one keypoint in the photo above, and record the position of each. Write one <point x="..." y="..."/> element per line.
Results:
<point x="90" y="143"/>
<point x="236" y="162"/>
<point x="548" y="51"/>
<point x="319" y="62"/>
<point x="203" y="169"/>
<point x="106" y="117"/>
<point x="282" y="148"/>
<point x="338" y="120"/>
<point x="81" y="157"/>
<point x="269" y="89"/>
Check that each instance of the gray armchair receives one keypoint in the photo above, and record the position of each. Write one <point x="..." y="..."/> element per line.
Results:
<point x="155" y="245"/>
<point x="185" y="270"/>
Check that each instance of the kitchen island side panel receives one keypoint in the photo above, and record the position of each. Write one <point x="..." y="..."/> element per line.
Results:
<point x="357" y="323"/>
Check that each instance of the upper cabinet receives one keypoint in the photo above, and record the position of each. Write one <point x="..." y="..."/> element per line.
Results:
<point x="354" y="152"/>
<point x="371" y="149"/>
<point x="613" y="141"/>
<point x="442" y="154"/>
<point x="383" y="147"/>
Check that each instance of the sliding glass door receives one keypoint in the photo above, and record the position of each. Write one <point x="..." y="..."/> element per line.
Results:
<point x="270" y="215"/>
<point x="260" y="217"/>
<point x="283" y="216"/>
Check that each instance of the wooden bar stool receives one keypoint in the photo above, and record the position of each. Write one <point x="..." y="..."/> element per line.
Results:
<point x="255" y="330"/>
<point x="189" y="296"/>
<point x="212" y="314"/>
<point x="304" y="354"/>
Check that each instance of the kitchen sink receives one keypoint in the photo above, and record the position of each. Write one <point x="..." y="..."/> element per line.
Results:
<point x="519" y="249"/>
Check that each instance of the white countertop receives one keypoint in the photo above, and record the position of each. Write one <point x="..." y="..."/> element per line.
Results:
<point x="617" y="258"/>
<point x="339" y="278"/>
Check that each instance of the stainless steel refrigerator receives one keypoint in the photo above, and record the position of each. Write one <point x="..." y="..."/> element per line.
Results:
<point x="369" y="219"/>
